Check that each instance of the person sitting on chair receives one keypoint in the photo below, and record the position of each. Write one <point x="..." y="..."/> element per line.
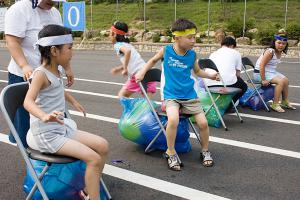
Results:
<point x="266" y="73"/>
<point x="178" y="91"/>
<point x="45" y="101"/>
<point x="229" y="63"/>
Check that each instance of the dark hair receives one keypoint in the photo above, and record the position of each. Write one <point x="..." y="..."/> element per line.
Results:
<point x="182" y="24"/>
<point x="123" y="27"/>
<point x="281" y="33"/>
<point x="47" y="31"/>
<point x="228" y="41"/>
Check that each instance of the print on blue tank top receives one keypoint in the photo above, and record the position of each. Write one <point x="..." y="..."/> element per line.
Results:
<point x="177" y="81"/>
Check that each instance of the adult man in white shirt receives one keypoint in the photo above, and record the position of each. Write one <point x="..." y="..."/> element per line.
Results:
<point x="23" y="21"/>
<point x="229" y="63"/>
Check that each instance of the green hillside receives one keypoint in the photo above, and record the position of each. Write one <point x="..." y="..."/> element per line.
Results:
<point x="160" y="15"/>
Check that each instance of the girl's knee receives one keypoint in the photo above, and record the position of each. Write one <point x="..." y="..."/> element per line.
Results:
<point x="94" y="160"/>
<point x="104" y="146"/>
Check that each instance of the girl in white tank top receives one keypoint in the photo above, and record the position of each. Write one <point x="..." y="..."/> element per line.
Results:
<point x="265" y="71"/>
<point x="45" y="101"/>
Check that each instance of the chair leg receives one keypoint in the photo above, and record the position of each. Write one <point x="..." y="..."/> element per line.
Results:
<point x="34" y="188"/>
<point x="216" y="108"/>
<point x="237" y="112"/>
<point x="105" y="189"/>
<point x="147" y="150"/>
<point x="261" y="98"/>
<point x="195" y="131"/>
<point x="152" y="108"/>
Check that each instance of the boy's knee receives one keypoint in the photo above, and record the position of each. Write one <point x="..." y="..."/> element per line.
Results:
<point x="203" y="125"/>
<point x="201" y="122"/>
<point x="173" y="121"/>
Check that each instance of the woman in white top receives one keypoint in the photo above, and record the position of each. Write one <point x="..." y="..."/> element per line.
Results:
<point x="265" y="71"/>
<point x="23" y="21"/>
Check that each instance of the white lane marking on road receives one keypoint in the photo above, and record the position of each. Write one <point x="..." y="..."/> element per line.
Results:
<point x="244" y="145"/>
<point x="150" y="182"/>
<point x="115" y="83"/>
<point x="4" y="138"/>
<point x="242" y="114"/>
<point x="273" y="119"/>
<point x="160" y="185"/>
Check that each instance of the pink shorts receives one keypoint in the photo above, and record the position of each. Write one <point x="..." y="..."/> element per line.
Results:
<point x="132" y="86"/>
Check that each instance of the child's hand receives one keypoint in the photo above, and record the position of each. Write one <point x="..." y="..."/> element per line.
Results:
<point x="218" y="77"/>
<point x="70" y="77"/>
<point x="265" y="83"/>
<point x="139" y="76"/>
<point x="116" y="70"/>
<point x="27" y="71"/>
<point x="124" y="72"/>
<point x="215" y="76"/>
<point x="79" y="107"/>
<point x="55" y="116"/>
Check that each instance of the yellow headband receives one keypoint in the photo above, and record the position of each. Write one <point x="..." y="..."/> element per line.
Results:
<point x="191" y="31"/>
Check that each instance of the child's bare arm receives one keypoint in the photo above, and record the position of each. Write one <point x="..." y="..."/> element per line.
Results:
<point x="39" y="82"/>
<point x="116" y="70"/>
<point x="74" y="103"/>
<point x="201" y="73"/>
<point x="127" y="54"/>
<point x="139" y="76"/>
<point x="264" y="61"/>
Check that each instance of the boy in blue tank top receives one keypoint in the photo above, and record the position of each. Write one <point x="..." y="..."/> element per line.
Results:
<point x="178" y="88"/>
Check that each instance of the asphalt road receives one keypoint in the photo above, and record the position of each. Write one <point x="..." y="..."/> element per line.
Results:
<point x="258" y="159"/>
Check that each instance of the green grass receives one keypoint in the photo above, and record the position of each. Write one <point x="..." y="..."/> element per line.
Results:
<point x="161" y="15"/>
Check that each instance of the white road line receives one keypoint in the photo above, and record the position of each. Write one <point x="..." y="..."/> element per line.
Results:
<point x="93" y="93"/>
<point x="115" y="83"/>
<point x="160" y="185"/>
<point x="273" y="119"/>
<point x="148" y="181"/>
<point x="294" y="86"/>
<point x="4" y="138"/>
<point x="235" y="143"/>
<point x="242" y="114"/>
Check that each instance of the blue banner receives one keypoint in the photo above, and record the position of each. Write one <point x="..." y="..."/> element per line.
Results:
<point x="74" y="15"/>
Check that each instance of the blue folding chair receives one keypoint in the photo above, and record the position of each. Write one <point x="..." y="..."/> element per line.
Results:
<point x="255" y="85"/>
<point x="11" y="98"/>
<point x="154" y="75"/>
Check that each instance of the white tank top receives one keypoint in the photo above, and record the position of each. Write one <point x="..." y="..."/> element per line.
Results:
<point x="51" y="98"/>
<point x="272" y="64"/>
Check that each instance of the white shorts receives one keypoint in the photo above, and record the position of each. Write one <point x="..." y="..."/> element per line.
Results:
<point x="269" y="76"/>
<point x="49" y="139"/>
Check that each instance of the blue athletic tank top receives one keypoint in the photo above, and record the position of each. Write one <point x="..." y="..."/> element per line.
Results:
<point x="177" y="81"/>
